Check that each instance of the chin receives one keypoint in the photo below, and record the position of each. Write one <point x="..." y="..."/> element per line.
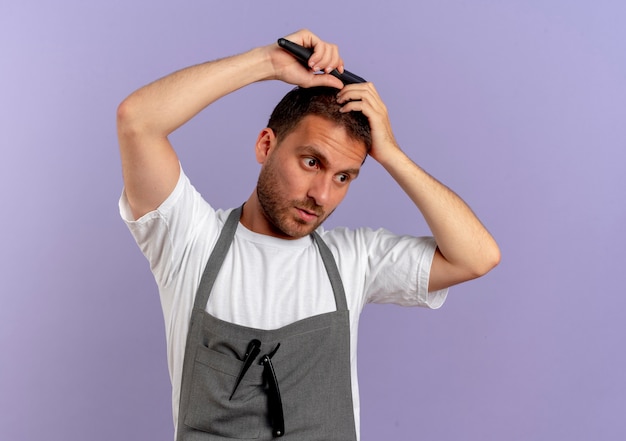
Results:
<point x="297" y="230"/>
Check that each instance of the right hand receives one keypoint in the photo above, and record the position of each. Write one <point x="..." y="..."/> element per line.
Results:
<point x="325" y="58"/>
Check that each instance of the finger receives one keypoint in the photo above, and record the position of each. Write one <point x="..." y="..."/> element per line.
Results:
<point x="355" y="106"/>
<point x="352" y="91"/>
<point x="304" y="37"/>
<point x="325" y="80"/>
<point x="356" y="91"/>
<point x="363" y="93"/>
<point x="334" y="60"/>
<point x="364" y="101"/>
<point x="325" y="58"/>
<point x="309" y="40"/>
<point x="325" y="55"/>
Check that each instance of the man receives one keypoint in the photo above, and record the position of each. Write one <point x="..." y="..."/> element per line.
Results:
<point x="262" y="343"/>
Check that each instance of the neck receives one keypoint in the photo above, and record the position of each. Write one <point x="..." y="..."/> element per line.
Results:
<point x="253" y="217"/>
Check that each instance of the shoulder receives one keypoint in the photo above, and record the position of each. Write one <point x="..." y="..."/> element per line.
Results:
<point x="179" y="229"/>
<point x="368" y="240"/>
<point x="380" y="256"/>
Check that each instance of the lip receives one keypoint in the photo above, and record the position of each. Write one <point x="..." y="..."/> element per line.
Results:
<point x="307" y="215"/>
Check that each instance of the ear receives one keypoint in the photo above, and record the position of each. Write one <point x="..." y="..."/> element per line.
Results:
<point x="265" y="142"/>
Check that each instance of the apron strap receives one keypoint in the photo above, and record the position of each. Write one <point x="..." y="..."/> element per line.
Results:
<point x="222" y="246"/>
<point x="333" y="273"/>
<point x="216" y="259"/>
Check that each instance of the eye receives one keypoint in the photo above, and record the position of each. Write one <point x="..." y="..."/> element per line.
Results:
<point x="310" y="162"/>
<point x="342" y="178"/>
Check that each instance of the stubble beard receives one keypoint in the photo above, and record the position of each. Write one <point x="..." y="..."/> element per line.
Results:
<point x="277" y="210"/>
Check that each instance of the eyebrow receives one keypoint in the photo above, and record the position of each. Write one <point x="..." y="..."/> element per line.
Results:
<point x="322" y="158"/>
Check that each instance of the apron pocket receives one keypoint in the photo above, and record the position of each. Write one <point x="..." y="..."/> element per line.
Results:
<point x="209" y="408"/>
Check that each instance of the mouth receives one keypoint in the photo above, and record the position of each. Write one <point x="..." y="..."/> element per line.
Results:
<point x="307" y="215"/>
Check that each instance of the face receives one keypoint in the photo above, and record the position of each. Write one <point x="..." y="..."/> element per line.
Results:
<point x="305" y="176"/>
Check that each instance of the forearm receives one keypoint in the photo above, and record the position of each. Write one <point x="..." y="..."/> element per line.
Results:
<point x="463" y="241"/>
<point x="164" y="105"/>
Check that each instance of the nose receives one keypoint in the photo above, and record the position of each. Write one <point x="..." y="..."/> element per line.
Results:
<point x="320" y="189"/>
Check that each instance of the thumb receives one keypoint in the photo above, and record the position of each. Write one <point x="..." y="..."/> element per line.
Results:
<point x="326" y="80"/>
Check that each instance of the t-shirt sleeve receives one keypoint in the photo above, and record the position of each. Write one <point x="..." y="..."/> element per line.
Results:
<point x="166" y="235"/>
<point x="398" y="269"/>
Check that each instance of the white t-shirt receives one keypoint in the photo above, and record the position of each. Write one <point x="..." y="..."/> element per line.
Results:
<point x="266" y="282"/>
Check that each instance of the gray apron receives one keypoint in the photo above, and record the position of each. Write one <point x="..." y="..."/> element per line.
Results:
<point x="244" y="383"/>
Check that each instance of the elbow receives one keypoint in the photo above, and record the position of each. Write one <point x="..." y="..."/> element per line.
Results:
<point x="124" y="111"/>
<point x="488" y="260"/>
<point x="128" y="122"/>
<point x="480" y="263"/>
<point x="135" y="118"/>
<point x="474" y="264"/>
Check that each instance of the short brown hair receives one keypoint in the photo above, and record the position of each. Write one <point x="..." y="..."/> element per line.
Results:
<point x="320" y="101"/>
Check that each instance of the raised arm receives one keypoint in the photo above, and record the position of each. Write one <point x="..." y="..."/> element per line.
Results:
<point x="148" y="116"/>
<point x="466" y="250"/>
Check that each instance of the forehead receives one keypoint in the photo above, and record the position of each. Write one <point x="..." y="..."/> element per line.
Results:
<point x="314" y="132"/>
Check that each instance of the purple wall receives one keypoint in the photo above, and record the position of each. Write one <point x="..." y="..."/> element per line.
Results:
<point x="519" y="106"/>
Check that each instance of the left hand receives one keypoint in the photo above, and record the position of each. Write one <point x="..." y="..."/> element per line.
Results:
<point x="363" y="97"/>
<point x="465" y="249"/>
